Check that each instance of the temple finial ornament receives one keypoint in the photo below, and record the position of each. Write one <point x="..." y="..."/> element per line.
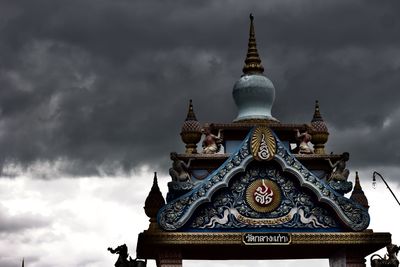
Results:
<point x="317" y="115"/>
<point x="153" y="203"/>
<point x="358" y="194"/>
<point x="191" y="116"/>
<point x="252" y="61"/>
<point x="320" y="131"/>
<point x="191" y="131"/>
<point x="254" y="93"/>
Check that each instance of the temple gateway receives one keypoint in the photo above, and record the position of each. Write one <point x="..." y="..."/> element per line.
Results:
<point x="258" y="188"/>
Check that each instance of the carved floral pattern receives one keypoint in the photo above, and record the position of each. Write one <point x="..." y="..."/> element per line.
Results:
<point x="232" y="201"/>
<point x="179" y="212"/>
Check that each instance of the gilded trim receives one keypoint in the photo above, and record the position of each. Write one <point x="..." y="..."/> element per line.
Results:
<point x="235" y="238"/>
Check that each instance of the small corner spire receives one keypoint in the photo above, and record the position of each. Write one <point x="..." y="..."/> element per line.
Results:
<point x="358" y="194"/>
<point x="153" y="203"/>
<point x="190" y="115"/>
<point x="357" y="185"/>
<point x="320" y="131"/>
<point x="317" y="115"/>
<point x="155" y="181"/>
<point x="191" y="131"/>
<point x="252" y="62"/>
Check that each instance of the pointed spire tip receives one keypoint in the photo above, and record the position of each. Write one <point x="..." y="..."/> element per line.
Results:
<point x="190" y="115"/>
<point x="252" y="62"/>
<point x="317" y="115"/>
<point x="155" y="178"/>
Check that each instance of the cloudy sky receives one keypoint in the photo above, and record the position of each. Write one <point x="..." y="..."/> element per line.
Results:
<point x="93" y="94"/>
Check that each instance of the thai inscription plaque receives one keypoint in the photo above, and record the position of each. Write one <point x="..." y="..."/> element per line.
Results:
<point x="266" y="238"/>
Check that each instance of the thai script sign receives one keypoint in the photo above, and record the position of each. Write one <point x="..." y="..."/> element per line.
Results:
<point x="266" y="239"/>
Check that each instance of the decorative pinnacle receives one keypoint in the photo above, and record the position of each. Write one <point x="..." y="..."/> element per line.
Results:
<point x="191" y="116"/>
<point x="317" y="115"/>
<point x="252" y="62"/>
<point x="357" y="185"/>
<point x="154" y="200"/>
<point x="358" y="194"/>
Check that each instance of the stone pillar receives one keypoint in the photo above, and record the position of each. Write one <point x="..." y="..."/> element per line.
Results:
<point x="355" y="262"/>
<point x="169" y="258"/>
<point x="343" y="259"/>
<point x="338" y="259"/>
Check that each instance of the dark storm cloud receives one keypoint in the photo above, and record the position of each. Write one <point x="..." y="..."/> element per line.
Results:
<point x="105" y="84"/>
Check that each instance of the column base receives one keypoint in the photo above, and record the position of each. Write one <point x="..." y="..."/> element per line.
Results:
<point x="341" y="259"/>
<point x="169" y="259"/>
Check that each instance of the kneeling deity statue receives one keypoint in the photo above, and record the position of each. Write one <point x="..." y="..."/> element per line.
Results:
<point x="303" y="139"/>
<point x="180" y="170"/>
<point x="339" y="171"/>
<point x="211" y="142"/>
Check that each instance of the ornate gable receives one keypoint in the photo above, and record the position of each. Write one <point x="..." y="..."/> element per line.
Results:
<point x="262" y="187"/>
<point x="258" y="189"/>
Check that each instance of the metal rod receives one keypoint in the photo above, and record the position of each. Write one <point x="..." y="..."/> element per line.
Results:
<point x="373" y="175"/>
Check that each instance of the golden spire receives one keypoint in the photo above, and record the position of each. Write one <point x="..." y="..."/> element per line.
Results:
<point x="253" y="62"/>
<point x="319" y="132"/>
<point x="317" y="115"/>
<point x="191" y="116"/>
<point x="191" y="131"/>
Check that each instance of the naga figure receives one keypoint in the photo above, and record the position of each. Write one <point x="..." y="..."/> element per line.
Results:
<point x="390" y="259"/>
<point x="339" y="171"/>
<point x="122" y="260"/>
<point x="211" y="143"/>
<point x="303" y="139"/>
<point x="179" y="171"/>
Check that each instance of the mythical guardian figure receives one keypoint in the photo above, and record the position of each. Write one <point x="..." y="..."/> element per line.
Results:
<point x="179" y="171"/>
<point x="211" y="143"/>
<point x="122" y="260"/>
<point x="390" y="259"/>
<point x="338" y="177"/>
<point x="339" y="171"/>
<point x="303" y="139"/>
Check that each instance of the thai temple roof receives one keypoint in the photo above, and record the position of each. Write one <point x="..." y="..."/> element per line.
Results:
<point x="258" y="175"/>
<point x="296" y="149"/>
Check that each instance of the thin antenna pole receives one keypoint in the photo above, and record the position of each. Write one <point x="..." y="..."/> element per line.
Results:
<point x="374" y="181"/>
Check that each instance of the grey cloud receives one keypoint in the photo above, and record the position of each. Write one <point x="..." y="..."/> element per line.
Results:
<point x="9" y="261"/>
<point x="105" y="85"/>
<point x="11" y="224"/>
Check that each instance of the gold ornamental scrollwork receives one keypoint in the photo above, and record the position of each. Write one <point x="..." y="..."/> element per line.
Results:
<point x="263" y="144"/>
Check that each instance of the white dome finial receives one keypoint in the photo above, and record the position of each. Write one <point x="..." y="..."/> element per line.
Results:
<point x="254" y="94"/>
